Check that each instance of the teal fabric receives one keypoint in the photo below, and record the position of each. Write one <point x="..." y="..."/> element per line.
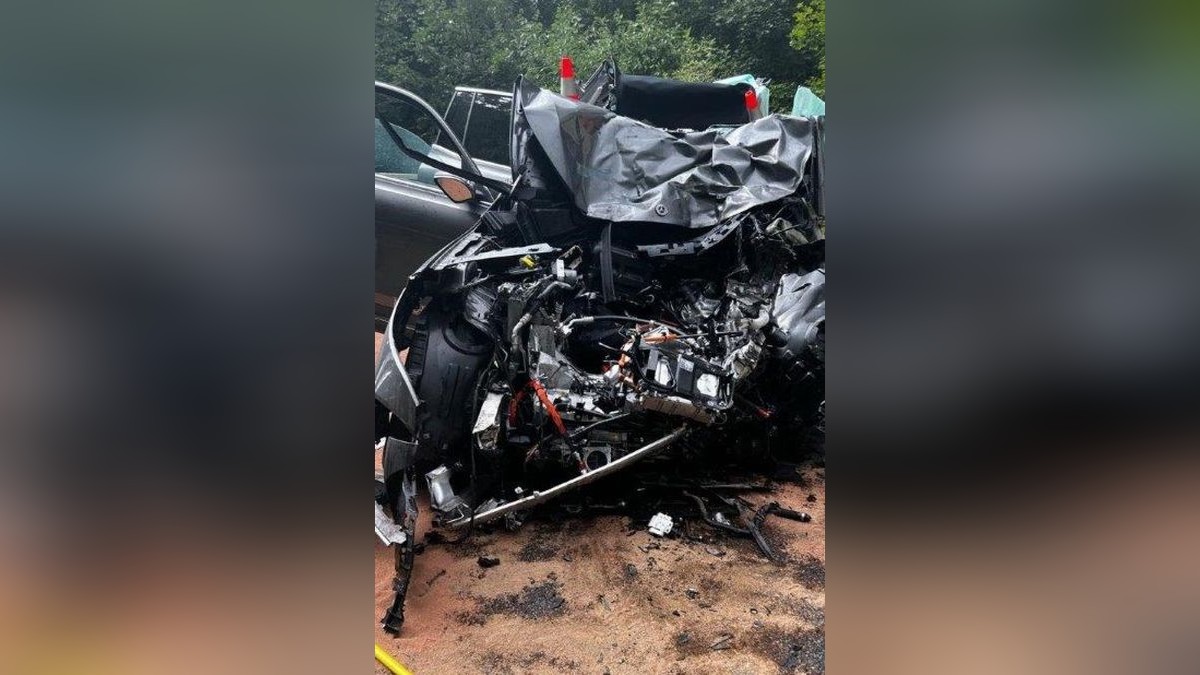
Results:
<point x="807" y="104"/>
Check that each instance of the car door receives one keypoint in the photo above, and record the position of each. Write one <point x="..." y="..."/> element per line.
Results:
<point x="414" y="217"/>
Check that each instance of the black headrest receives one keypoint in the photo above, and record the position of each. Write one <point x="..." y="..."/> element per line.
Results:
<point x="671" y="104"/>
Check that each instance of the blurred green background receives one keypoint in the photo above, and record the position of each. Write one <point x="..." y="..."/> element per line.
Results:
<point x="431" y="46"/>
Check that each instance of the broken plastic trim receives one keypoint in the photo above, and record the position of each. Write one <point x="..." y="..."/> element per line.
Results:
<point x="388" y="530"/>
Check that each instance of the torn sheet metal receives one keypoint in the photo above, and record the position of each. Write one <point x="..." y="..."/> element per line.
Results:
<point x="799" y="310"/>
<point x="622" y="170"/>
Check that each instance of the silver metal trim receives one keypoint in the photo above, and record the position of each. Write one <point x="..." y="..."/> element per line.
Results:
<point x="478" y="90"/>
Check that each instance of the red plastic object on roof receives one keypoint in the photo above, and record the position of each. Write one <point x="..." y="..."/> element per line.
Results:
<point x="567" y="87"/>
<point x="751" y="99"/>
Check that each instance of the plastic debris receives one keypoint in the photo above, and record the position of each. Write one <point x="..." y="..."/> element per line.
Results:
<point x="388" y="531"/>
<point x="661" y="524"/>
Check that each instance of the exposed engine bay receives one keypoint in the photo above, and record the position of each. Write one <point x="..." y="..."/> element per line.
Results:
<point x="601" y="313"/>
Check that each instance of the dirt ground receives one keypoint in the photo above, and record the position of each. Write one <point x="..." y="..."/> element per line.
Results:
<point x="593" y="595"/>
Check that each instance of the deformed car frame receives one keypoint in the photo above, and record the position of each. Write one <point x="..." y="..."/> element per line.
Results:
<point x="637" y="289"/>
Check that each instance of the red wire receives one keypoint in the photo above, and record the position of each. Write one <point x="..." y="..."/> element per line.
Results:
<point x="546" y="403"/>
<point x="549" y="405"/>
<point x="512" y="406"/>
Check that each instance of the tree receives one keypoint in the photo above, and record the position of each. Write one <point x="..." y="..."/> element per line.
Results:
<point x="808" y="37"/>
<point x="652" y="41"/>
<point x="431" y="46"/>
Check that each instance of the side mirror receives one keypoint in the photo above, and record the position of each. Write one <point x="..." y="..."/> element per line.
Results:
<point x="457" y="189"/>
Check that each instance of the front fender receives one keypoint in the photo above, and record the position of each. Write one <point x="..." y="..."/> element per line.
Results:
<point x="393" y="390"/>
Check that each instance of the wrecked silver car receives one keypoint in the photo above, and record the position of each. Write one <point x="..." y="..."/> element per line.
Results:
<point x="638" y="291"/>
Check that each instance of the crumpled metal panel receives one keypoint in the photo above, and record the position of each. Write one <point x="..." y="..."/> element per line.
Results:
<point x="799" y="309"/>
<point x="622" y="170"/>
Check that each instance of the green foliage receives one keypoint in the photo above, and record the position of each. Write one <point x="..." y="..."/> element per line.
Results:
<point x="651" y="41"/>
<point x="755" y="32"/>
<point x="430" y="46"/>
<point x="808" y="37"/>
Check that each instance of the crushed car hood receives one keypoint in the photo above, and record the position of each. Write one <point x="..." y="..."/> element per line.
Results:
<point x="640" y="297"/>
<point x="621" y="170"/>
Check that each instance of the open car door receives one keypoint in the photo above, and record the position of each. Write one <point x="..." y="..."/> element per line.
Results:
<point x="428" y="190"/>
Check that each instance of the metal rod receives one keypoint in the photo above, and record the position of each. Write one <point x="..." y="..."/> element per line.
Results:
<point x="578" y="481"/>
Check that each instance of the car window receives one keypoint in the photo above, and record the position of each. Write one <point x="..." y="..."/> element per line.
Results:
<point x="487" y="134"/>
<point x="390" y="159"/>
<point x="456" y="114"/>
<point x="418" y="129"/>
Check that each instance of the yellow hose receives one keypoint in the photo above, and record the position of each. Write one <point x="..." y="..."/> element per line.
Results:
<point x="389" y="662"/>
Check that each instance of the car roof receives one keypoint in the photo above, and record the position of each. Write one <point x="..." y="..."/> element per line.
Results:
<point x="478" y="90"/>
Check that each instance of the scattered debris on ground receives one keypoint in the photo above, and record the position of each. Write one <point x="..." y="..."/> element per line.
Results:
<point x="611" y="594"/>
<point x="536" y="601"/>
<point x="660" y="525"/>
<point x="810" y="572"/>
<point x="537" y="550"/>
